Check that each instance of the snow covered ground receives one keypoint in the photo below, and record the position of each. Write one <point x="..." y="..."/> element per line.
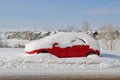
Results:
<point x="14" y="61"/>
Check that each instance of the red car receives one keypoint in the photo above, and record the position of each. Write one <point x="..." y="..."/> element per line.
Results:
<point x="78" y="45"/>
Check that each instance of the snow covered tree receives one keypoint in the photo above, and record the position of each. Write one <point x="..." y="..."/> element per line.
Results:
<point x="1" y="43"/>
<point x="109" y="36"/>
<point x="85" y="26"/>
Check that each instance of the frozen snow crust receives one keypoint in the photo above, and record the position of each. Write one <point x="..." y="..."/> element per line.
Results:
<point x="64" y="40"/>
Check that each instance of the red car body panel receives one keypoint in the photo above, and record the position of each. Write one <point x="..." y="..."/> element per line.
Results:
<point x="67" y="52"/>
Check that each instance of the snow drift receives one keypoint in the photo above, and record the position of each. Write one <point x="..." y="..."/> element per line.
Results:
<point x="15" y="62"/>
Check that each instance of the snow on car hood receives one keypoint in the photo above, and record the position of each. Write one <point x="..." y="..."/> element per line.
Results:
<point x="64" y="40"/>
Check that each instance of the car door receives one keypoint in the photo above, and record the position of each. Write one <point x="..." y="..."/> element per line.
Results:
<point x="79" y="48"/>
<point x="59" y="51"/>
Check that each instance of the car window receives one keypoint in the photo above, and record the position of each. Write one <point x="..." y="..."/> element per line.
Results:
<point x="78" y="41"/>
<point x="82" y="41"/>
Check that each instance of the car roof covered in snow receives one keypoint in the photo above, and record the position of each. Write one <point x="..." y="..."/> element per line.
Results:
<point x="64" y="40"/>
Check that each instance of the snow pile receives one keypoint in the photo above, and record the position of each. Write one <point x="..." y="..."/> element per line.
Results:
<point x="15" y="61"/>
<point x="49" y="61"/>
<point x="64" y="40"/>
<point x="15" y="42"/>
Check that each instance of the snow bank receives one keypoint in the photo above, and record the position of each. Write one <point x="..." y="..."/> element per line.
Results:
<point x="14" y="43"/>
<point x="50" y="61"/>
<point x="14" y="61"/>
<point x="31" y="61"/>
<point x="64" y="40"/>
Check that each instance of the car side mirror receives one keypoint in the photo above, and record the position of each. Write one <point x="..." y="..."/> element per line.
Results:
<point x="55" y="43"/>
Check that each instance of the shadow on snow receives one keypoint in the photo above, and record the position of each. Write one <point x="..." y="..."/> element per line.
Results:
<point x="110" y="55"/>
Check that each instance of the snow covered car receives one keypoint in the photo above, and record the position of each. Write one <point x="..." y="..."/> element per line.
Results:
<point x="64" y="45"/>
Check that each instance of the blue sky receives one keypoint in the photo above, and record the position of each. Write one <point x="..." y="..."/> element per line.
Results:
<point x="54" y="14"/>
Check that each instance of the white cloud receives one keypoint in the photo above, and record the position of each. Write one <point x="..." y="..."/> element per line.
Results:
<point x="103" y="11"/>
